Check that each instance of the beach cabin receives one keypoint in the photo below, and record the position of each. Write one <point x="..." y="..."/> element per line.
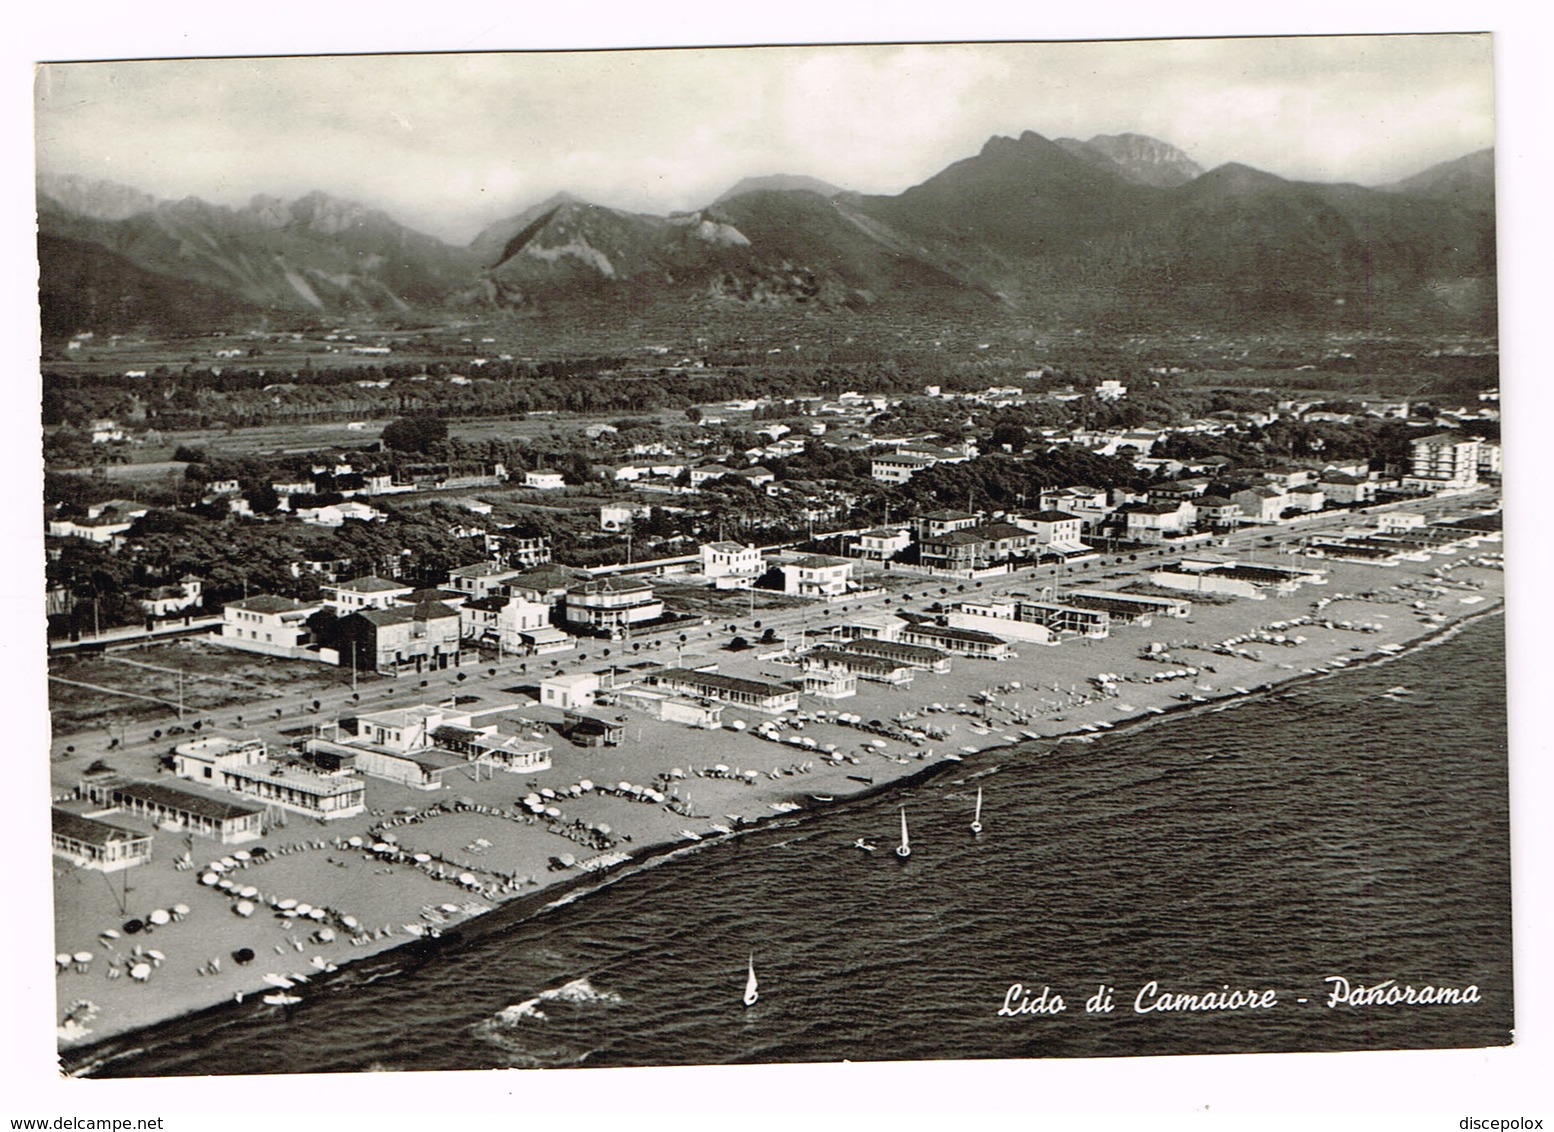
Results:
<point x="90" y="843"/>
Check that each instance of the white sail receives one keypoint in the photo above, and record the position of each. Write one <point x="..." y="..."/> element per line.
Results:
<point x="750" y="985"/>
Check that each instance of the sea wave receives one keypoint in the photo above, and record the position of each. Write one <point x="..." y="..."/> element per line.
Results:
<point x="578" y="991"/>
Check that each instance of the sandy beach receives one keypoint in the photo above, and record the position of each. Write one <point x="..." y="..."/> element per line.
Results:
<point x="445" y="859"/>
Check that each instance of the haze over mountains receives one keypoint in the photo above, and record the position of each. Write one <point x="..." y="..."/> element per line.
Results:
<point x="1121" y="230"/>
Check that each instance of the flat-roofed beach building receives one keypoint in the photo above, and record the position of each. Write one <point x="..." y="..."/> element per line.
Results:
<point x="326" y="797"/>
<point x="874" y="668"/>
<point x="175" y="807"/>
<point x="1126" y="608"/>
<point x="913" y="656"/>
<point x="91" y="843"/>
<point x="961" y="642"/>
<point x="758" y="695"/>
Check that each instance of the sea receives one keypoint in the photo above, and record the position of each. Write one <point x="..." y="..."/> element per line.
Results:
<point x="1352" y="826"/>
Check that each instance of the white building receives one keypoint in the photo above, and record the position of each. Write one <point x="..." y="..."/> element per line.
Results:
<point x="370" y="592"/>
<point x="817" y="576"/>
<point x="730" y="564"/>
<point x="898" y="467"/>
<point x="277" y="626"/>
<point x="883" y="543"/>
<point x="1444" y="460"/>
<point x="611" y="603"/>
<point x="543" y="480"/>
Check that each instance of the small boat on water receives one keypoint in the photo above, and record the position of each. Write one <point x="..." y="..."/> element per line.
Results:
<point x="751" y="994"/>
<point x="280" y="998"/>
<point x="904" y="850"/>
<point x="976" y="819"/>
<point x="864" y="845"/>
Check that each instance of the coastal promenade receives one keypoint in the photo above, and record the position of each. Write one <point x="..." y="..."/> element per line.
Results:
<point x="476" y="829"/>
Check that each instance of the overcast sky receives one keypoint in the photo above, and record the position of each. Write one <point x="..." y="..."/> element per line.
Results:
<point x="447" y="143"/>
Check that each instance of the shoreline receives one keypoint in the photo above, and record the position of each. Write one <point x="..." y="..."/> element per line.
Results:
<point x="85" y="1058"/>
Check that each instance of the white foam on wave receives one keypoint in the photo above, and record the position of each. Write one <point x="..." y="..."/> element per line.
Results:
<point x="576" y="991"/>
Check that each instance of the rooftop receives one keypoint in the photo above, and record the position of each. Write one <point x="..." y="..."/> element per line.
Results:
<point x="371" y="584"/>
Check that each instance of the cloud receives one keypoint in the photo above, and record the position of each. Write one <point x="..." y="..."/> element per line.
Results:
<point x="449" y="142"/>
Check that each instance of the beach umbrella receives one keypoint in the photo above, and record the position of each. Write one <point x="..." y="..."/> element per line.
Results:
<point x="243" y="955"/>
<point x="391" y="838"/>
<point x="567" y="859"/>
<point x="160" y="916"/>
<point x="468" y="879"/>
<point x="355" y="842"/>
<point x="548" y="793"/>
<point x="304" y="909"/>
<point x="242" y="855"/>
<point x="156" y="956"/>
<point x="382" y="847"/>
<point x="350" y="922"/>
<point x="108" y="933"/>
<point x="229" y="862"/>
<point x="325" y="935"/>
<point x="286" y="904"/>
<point x="225" y="885"/>
<point x="450" y="908"/>
<point x="530" y="799"/>
<point x="132" y="926"/>
<point x="600" y="827"/>
<point x="63" y="960"/>
<point x="626" y="786"/>
<point x="83" y="957"/>
<point x="575" y="790"/>
<point x="216" y="867"/>
<point x="466" y="800"/>
<point x="180" y="911"/>
<point x="244" y="908"/>
<point x="586" y="784"/>
<point x="140" y="972"/>
<point x="552" y="812"/>
<point x="720" y="767"/>
<point x="423" y="858"/>
<point x="248" y="892"/>
<point x="316" y="914"/>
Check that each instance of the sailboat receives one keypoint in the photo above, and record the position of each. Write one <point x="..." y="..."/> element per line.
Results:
<point x="750" y="992"/>
<point x="904" y="850"/>
<point x="976" y="821"/>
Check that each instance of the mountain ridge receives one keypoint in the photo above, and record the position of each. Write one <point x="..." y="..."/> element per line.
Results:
<point x="1062" y="229"/>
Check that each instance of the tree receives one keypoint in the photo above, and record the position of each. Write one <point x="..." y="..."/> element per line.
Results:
<point x="418" y="432"/>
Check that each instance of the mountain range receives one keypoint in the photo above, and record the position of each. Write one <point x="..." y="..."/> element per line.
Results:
<point x="1120" y="230"/>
